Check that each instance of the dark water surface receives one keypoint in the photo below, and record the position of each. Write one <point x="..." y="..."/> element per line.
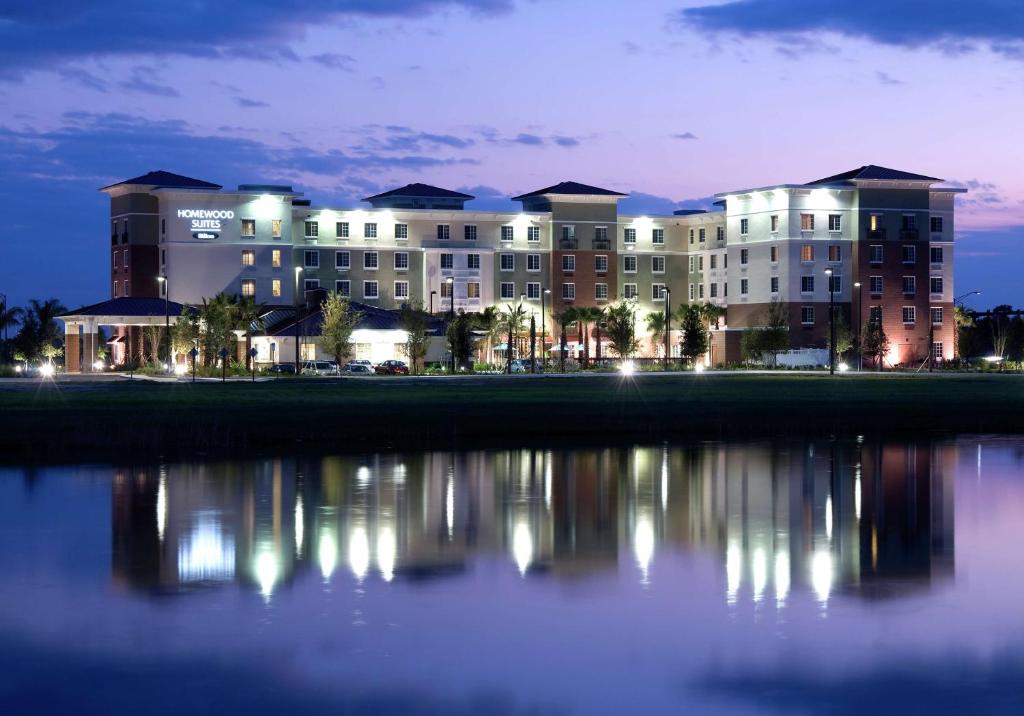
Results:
<point x="843" y="577"/>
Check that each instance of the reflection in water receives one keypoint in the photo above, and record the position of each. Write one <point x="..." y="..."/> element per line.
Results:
<point x="823" y="517"/>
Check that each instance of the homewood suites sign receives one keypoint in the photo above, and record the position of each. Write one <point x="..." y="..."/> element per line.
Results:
<point x="205" y="222"/>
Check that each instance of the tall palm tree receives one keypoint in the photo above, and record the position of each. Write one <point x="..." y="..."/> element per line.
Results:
<point x="600" y="316"/>
<point x="488" y="321"/>
<point x="586" y="315"/>
<point x="962" y="318"/>
<point x="9" y="318"/>
<point x="248" y="316"/>
<point x="45" y="314"/>
<point x="655" y="321"/>
<point x="565" y="318"/>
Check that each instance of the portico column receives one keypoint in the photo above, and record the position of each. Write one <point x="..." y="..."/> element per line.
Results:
<point x="72" y="347"/>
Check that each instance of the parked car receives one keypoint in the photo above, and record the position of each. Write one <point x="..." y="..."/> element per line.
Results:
<point x="282" y="368"/>
<point x="319" y="367"/>
<point x="355" y="368"/>
<point x="522" y="365"/>
<point x="361" y="361"/>
<point x="392" y="367"/>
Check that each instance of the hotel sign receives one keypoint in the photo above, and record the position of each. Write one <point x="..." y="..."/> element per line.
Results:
<point x="205" y="223"/>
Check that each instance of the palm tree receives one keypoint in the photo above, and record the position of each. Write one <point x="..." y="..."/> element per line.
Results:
<point x="565" y="318"/>
<point x="585" y="315"/>
<point x="655" y="321"/>
<point x="512" y="322"/>
<point x="962" y="319"/>
<point x="45" y="314"/>
<point x="488" y="321"/>
<point x="248" y="316"/>
<point x="9" y="317"/>
<point x="600" y="316"/>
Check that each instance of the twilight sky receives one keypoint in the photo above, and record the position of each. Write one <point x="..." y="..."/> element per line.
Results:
<point x="669" y="100"/>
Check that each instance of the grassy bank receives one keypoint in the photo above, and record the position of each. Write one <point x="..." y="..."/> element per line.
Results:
<point x="105" y="420"/>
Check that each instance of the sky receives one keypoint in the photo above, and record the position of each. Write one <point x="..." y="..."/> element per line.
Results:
<point x="671" y="101"/>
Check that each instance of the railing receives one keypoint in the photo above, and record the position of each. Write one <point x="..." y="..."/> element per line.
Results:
<point x="601" y="244"/>
<point x="908" y="234"/>
<point x="567" y="243"/>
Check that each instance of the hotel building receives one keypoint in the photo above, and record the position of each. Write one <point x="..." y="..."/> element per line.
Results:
<point x="885" y="235"/>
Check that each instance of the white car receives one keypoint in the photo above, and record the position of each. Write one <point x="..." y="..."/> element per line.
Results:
<point x="319" y="367"/>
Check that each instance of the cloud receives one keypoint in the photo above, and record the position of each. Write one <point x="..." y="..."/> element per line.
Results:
<point x="640" y="203"/>
<point x="685" y="135"/>
<point x="884" y="79"/>
<point x="530" y="140"/>
<point x="526" y="139"/>
<point x="35" y="35"/>
<point x="250" y="103"/>
<point x="83" y="78"/>
<point x="565" y="141"/>
<point x="488" y="198"/>
<point x="334" y="61"/>
<point x="147" y="81"/>
<point x="392" y="138"/>
<point x="949" y="26"/>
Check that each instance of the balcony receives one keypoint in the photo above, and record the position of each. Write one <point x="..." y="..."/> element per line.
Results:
<point x="568" y="244"/>
<point x="601" y="244"/>
<point x="876" y="233"/>
<point x="908" y="234"/>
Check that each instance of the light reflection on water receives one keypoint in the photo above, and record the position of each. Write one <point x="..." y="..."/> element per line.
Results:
<point x="678" y="554"/>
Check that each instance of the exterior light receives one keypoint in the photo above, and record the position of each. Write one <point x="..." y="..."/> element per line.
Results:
<point x="627" y="368"/>
<point x="97" y="365"/>
<point x="993" y="359"/>
<point x="180" y="369"/>
<point x="17" y="369"/>
<point x="843" y="367"/>
<point x="46" y="370"/>
<point x="828" y="272"/>
<point x="698" y="368"/>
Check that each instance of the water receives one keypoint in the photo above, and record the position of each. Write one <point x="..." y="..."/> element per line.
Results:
<point x="799" y="577"/>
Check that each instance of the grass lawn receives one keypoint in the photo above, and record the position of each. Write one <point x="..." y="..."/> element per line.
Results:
<point x="114" y="419"/>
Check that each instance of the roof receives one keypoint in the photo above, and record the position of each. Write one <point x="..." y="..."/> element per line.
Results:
<point x="421" y="190"/>
<point x="281" y="322"/>
<point x="873" y="172"/>
<point x="160" y="178"/>
<point x="128" y="307"/>
<point x="570" y="188"/>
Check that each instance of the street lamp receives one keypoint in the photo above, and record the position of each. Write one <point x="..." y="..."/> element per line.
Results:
<point x="960" y="299"/>
<point x="451" y="316"/>
<point x="298" y="272"/>
<point x="543" y="335"/>
<point x="167" y="318"/>
<point x="860" y="323"/>
<point x="831" y="324"/>
<point x="668" y="322"/>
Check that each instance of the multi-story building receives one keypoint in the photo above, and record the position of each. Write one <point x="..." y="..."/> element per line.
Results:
<point x="885" y="236"/>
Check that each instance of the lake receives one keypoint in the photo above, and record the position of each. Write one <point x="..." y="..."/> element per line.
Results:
<point x="801" y="576"/>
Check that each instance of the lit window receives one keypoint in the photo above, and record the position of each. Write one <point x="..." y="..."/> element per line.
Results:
<point x="275" y="287"/>
<point x="807" y="222"/>
<point x="248" y="287"/>
<point x="874" y="222"/>
<point x="275" y="228"/>
<point x="248" y="257"/>
<point x="248" y="228"/>
<point x="446" y="289"/>
<point x="835" y="253"/>
<point x="473" y="289"/>
<point x="807" y="252"/>
<point x="275" y="258"/>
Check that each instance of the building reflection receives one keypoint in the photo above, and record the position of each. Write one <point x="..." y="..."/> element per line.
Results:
<point x="816" y="518"/>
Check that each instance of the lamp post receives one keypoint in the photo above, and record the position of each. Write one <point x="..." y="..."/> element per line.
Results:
<point x="860" y="322"/>
<point x="543" y="335"/>
<point x="451" y="316"/>
<point x="298" y="272"/>
<point x="831" y="325"/>
<point x="167" y="318"/>
<point x="432" y="294"/>
<point x="668" y="322"/>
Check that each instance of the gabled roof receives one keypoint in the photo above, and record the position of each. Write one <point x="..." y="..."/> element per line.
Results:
<point x="160" y="178"/>
<point x="128" y="306"/>
<point x="425" y="191"/>
<point x="570" y="188"/>
<point x="873" y="172"/>
<point x="281" y="322"/>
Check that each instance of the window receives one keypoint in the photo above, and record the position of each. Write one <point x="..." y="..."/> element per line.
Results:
<point x="807" y="253"/>
<point x="874" y="222"/>
<point x="473" y="289"/>
<point x="909" y="222"/>
<point x="312" y="229"/>
<point x="248" y="287"/>
<point x="341" y="230"/>
<point x="629" y="290"/>
<point x="714" y="290"/>
<point x="775" y="223"/>
<point x="657" y="292"/>
<point x="601" y="291"/>
<point x="369" y="231"/>
<point x="568" y="263"/>
<point x="533" y="262"/>
<point x="909" y="315"/>
<point x="936" y="254"/>
<point x="370" y="260"/>
<point x="508" y="290"/>
<point x="342" y="260"/>
<point x="835" y="283"/>
<point x="691" y="236"/>
<point x="163" y="226"/>
<point x="311" y="259"/>
<point x="875" y="253"/>
<point x="601" y="264"/>
<point x="700" y="290"/>
<point x="702" y="235"/>
<point x="447" y="261"/>
<point x="775" y="284"/>
<point x="248" y="257"/>
<point x="657" y="236"/>
<point x="508" y="262"/>
<point x="532" y="291"/>
<point x="744" y="286"/>
<point x="720" y="233"/>
<point x="835" y="222"/>
<point x="693" y="264"/>
<point x="714" y="262"/>
<point x="124" y="258"/>
<point x="744" y="227"/>
<point x="370" y="289"/>
<point x="126" y="291"/>
<point x="401" y="289"/>
<point x="401" y="232"/>
<point x="835" y="253"/>
<point x="275" y="228"/>
<point x="629" y="237"/>
<point x="937" y="316"/>
<point x="469" y="232"/>
<point x="807" y="284"/>
<point x="807" y="222"/>
<point x="875" y="314"/>
<point x="875" y="285"/>
<point x="508" y="232"/>
<point x="116" y="254"/>
<point x="909" y="285"/>
<point x="700" y="263"/>
<point x="657" y="264"/>
<point x="444" y="232"/>
<point x="533" y="233"/>
<point x="275" y="287"/>
<point x="473" y="261"/>
<point x="446" y="289"/>
<point x="275" y="258"/>
<point x="807" y="315"/>
<point x="937" y="350"/>
<point x="311" y="284"/>
<point x="600" y="233"/>
<point x="248" y="228"/>
<point x="568" y="292"/>
<point x="909" y="254"/>
<point x="401" y="261"/>
<point x="744" y="257"/>
<point x="343" y="287"/>
<point x="116" y="290"/>
<point x="936" y="224"/>
<point x="693" y="291"/>
<point x="629" y="264"/>
<point x="936" y="284"/>
<point x="773" y="254"/>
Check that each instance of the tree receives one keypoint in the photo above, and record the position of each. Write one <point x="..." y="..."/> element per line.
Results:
<point x="460" y="337"/>
<point x="876" y="343"/>
<point x="999" y="325"/>
<point x="248" y="316"/>
<point x="217" y="319"/>
<point x="844" y="335"/>
<point x="565" y="319"/>
<point x="9" y="318"/>
<point x="339" y="320"/>
<point x="487" y="321"/>
<point x="153" y="338"/>
<point x="769" y="338"/>
<point x="621" y="327"/>
<point x="512" y="322"/>
<point x="711" y="314"/>
<point x="39" y="334"/>
<point x="695" y="335"/>
<point x="185" y="332"/>
<point x="655" y="321"/>
<point x="963" y="336"/>
<point x="416" y="323"/>
<point x="585" y="316"/>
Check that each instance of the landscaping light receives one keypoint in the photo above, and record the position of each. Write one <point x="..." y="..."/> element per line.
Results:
<point x="180" y="369"/>
<point x="17" y="369"/>
<point x="698" y="368"/>
<point x="628" y="368"/>
<point x="46" y="370"/>
<point x="993" y="359"/>
<point x="843" y="367"/>
<point x="97" y="365"/>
